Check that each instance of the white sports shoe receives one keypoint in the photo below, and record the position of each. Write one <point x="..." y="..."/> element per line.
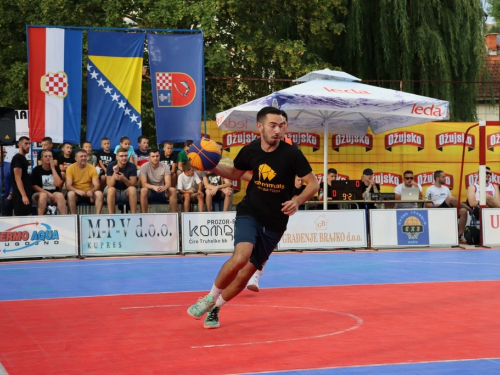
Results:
<point x="253" y="283"/>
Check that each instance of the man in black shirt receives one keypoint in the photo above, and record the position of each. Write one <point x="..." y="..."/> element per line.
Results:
<point x="47" y="182"/>
<point x="262" y="215"/>
<point x="121" y="177"/>
<point x="21" y="181"/>
<point x="368" y="186"/>
<point x="170" y="158"/>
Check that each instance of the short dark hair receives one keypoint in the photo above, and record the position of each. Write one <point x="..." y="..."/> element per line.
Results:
<point x="437" y="174"/>
<point x="261" y="116"/>
<point x="188" y="143"/>
<point x="79" y="151"/>
<point x="153" y="150"/>
<point x="90" y="143"/>
<point x="186" y="166"/>
<point x="332" y="170"/>
<point x="141" y="137"/>
<point x="407" y="172"/>
<point x="121" y="149"/>
<point x="66" y="143"/>
<point x="104" y="139"/>
<point x="23" y="138"/>
<point x="125" y="138"/>
<point x="168" y="143"/>
<point x="47" y="139"/>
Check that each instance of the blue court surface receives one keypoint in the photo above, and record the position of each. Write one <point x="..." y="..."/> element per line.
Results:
<point x="96" y="277"/>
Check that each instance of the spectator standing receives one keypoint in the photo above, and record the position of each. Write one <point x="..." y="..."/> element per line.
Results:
<point x="156" y="183"/>
<point x="121" y="180"/>
<point x="21" y="181"/>
<point x="82" y="184"/>
<point x="47" y="182"/>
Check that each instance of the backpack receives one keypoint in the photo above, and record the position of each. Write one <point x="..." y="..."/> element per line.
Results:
<point x="471" y="232"/>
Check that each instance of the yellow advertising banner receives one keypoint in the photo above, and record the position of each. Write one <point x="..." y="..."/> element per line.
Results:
<point x="422" y="148"/>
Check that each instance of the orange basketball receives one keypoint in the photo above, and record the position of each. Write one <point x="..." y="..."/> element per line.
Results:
<point x="204" y="154"/>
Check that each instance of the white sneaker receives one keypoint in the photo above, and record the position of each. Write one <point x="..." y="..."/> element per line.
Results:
<point x="253" y="283"/>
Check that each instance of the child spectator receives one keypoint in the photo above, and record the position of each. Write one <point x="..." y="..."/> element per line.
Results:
<point x="169" y="158"/>
<point x="104" y="157"/>
<point x="91" y="158"/>
<point x="189" y="187"/>
<point x="125" y="143"/>
<point x="217" y="189"/>
<point x="66" y="158"/>
<point x="182" y="157"/>
<point x="46" y="145"/>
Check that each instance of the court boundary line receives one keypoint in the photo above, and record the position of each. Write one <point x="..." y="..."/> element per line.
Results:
<point x="3" y="371"/>
<point x="359" y="323"/>
<point x="205" y="291"/>
<point x="494" y="360"/>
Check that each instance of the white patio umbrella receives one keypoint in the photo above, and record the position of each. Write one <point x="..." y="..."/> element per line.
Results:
<point x="341" y="107"/>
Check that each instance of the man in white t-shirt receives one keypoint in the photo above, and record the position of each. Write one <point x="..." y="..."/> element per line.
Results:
<point x="408" y="182"/>
<point x="492" y="193"/>
<point x="440" y="197"/>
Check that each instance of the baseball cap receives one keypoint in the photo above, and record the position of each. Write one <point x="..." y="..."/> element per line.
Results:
<point x="368" y="171"/>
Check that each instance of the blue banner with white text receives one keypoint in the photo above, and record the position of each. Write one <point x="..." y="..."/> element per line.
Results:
<point x="114" y="83"/>
<point x="176" y="65"/>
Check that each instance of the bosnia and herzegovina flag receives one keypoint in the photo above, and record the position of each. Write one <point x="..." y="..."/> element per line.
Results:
<point x="176" y="64"/>
<point x="54" y="84"/>
<point x="114" y="82"/>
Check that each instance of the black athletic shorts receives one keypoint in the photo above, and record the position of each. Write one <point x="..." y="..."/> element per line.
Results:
<point x="247" y="229"/>
<point x="21" y="209"/>
<point x="443" y="205"/>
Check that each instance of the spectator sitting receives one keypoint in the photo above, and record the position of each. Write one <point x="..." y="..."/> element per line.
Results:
<point x="47" y="182"/>
<point x="217" y="189"/>
<point x="65" y="158"/>
<point x="156" y="183"/>
<point x="91" y="158"/>
<point x="121" y="179"/>
<point x="408" y="182"/>
<point x="189" y="185"/>
<point x="82" y="183"/>
<point x="104" y="157"/>
<point x="368" y="185"/>
<point x="182" y="157"/>
<point x="492" y="193"/>
<point x="440" y="197"/>
<point x="142" y="155"/>
<point x="330" y="176"/>
<point x="298" y="189"/>
<point x="170" y="159"/>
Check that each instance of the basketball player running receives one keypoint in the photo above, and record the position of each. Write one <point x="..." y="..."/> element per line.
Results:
<point x="253" y="283"/>
<point x="262" y="215"/>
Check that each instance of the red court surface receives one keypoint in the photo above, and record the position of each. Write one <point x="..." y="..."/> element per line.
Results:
<point x="276" y="329"/>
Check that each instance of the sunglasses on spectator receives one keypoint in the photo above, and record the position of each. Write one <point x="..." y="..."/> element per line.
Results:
<point x="408" y="178"/>
<point x="488" y="173"/>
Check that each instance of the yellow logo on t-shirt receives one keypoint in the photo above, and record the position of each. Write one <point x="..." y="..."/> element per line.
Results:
<point x="266" y="172"/>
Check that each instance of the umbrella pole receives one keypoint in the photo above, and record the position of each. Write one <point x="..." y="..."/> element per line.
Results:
<point x="325" y="165"/>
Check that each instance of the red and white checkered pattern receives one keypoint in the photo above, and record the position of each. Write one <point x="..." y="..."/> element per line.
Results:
<point x="56" y="84"/>
<point x="163" y="81"/>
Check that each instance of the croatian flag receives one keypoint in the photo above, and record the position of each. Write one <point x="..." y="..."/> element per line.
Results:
<point x="55" y="84"/>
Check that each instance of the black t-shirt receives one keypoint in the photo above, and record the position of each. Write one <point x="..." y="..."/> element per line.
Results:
<point x="273" y="182"/>
<point x="168" y="161"/>
<point x="19" y="161"/>
<point x="45" y="179"/>
<point x="130" y="170"/>
<point x="214" y="179"/>
<point x="62" y="159"/>
<point x="105" y="157"/>
<point x="298" y="191"/>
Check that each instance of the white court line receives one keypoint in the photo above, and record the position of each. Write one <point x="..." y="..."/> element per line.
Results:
<point x="3" y="371"/>
<point x="372" y="365"/>
<point x="428" y="262"/>
<point x="358" y="324"/>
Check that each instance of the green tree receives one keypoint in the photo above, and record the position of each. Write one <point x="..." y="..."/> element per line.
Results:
<point x="429" y="44"/>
